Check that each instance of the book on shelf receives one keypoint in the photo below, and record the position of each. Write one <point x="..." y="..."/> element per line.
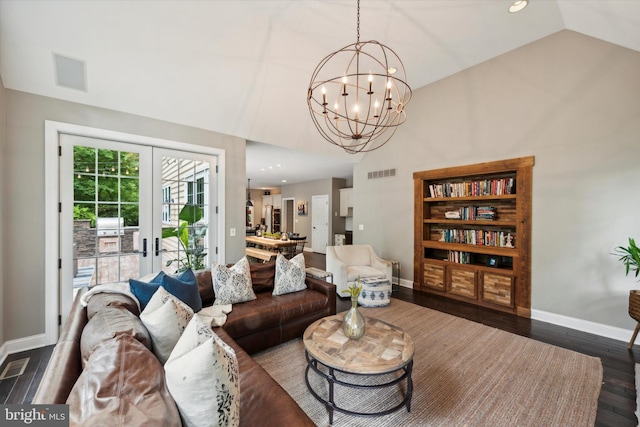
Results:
<point x="485" y="187"/>
<point x="459" y="257"/>
<point x="472" y="213"/>
<point x="478" y="237"/>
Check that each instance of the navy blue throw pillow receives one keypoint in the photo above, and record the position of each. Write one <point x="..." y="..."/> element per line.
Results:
<point x="183" y="287"/>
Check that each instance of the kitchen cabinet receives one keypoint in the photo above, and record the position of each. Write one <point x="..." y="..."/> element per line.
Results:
<point x="346" y="202"/>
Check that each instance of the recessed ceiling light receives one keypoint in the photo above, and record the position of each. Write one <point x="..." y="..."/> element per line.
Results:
<point x="518" y="5"/>
<point x="278" y="165"/>
<point x="284" y="180"/>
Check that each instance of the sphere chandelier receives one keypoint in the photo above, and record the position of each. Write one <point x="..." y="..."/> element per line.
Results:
<point x="357" y="95"/>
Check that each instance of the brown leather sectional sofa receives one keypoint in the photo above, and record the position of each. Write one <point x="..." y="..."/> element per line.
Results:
<point x="250" y="327"/>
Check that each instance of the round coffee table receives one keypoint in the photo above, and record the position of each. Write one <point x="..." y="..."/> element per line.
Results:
<point x="384" y="349"/>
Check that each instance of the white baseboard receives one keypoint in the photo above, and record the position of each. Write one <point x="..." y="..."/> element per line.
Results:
<point x="600" y="329"/>
<point x="21" y="344"/>
<point x="406" y="283"/>
<point x="613" y="332"/>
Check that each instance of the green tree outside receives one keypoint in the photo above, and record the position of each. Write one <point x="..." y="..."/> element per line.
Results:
<point x="105" y="184"/>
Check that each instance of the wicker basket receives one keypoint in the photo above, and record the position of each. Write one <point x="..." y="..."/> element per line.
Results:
<point x="634" y="305"/>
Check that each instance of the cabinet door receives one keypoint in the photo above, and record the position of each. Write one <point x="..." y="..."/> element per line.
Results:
<point x="434" y="276"/>
<point x="497" y="288"/>
<point x="267" y="200"/>
<point x="345" y="201"/>
<point x="277" y="201"/>
<point x="462" y="282"/>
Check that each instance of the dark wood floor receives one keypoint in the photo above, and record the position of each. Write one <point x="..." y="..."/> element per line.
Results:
<point x="21" y="389"/>
<point x="616" y="405"/>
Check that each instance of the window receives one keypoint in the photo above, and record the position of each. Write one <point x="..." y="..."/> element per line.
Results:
<point x="199" y="192"/>
<point x="166" y="204"/>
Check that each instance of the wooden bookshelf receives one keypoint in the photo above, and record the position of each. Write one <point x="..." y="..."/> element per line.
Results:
<point x="484" y="257"/>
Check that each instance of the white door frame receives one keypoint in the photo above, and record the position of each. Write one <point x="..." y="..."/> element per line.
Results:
<point x="52" y="131"/>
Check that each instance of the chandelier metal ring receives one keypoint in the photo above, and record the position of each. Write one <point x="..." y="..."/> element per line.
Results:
<point x="357" y="95"/>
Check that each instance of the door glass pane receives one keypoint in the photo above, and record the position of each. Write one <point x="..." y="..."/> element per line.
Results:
<point x="106" y="216"/>
<point x="185" y="210"/>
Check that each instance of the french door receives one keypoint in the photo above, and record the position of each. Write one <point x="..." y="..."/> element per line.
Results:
<point x="128" y="210"/>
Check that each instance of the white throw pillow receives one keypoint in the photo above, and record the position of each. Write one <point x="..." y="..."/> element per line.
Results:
<point x="232" y="285"/>
<point x="165" y="317"/>
<point x="290" y="275"/>
<point x="203" y="378"/>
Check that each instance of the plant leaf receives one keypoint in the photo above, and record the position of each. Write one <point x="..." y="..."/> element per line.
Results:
<point x="190" y="213"/>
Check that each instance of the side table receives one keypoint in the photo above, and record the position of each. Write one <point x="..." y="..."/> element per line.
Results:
<point x="316" y="273"/>
<point x="395" y="270"/>
<point x="384" y="349"/>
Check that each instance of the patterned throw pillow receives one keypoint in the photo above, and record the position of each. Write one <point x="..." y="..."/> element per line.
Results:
<point x="203" y="378"/>
<point x="165" y="317"/>
<point x="232" y="285"/>
<point x="290" y="275"/>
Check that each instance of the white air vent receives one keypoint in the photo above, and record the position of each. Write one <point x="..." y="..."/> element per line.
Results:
<point x="387" y="173"/>
<point x="15" y="368"/>
<point x="70" y="72"/>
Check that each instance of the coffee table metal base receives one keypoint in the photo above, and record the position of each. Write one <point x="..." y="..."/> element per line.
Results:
<point x="312" y="364"/>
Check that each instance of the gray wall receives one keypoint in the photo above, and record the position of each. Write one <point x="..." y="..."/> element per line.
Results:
<point x="571" y="101"/>
<point x="2" y="197"/>
<point x="23" y="195"/>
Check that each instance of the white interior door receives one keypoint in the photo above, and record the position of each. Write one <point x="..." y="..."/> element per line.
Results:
<point x="320" y="223"/>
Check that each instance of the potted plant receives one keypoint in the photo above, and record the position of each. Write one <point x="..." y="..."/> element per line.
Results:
<point x="190" y="236"/>
<point x="630" y="257"/>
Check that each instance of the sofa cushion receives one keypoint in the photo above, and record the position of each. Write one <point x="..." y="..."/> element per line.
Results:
<point x="205" y="287"/>
<point x="232" y="285"/>
<point x="110" y="299"/>
<point x="353" y="271"/>
<point x="203" y="378"/>
<point x="122" y="385"/>
<point x="165" y="317"/>
<point x="109" y="323"/>
<point x="290" y="275"/>
<point x="262" y="276"/>
<point x="269" y="311"/>
<point x="184" y="286"/>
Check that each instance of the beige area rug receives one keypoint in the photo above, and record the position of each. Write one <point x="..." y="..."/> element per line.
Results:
<point x="464" y="374"/>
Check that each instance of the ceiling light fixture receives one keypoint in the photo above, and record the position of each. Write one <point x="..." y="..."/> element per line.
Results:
<point x="518" y="5"/>
<point x="357" y="95"/>
<point x="249" y="203"/>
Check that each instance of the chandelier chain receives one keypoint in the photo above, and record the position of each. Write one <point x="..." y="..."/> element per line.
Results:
<point x="358" y="25"/>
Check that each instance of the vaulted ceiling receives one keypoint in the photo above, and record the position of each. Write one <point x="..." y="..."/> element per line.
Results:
<point x="243" y="67"/>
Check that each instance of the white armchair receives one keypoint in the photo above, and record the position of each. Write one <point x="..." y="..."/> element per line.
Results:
<point x="348" y="262"/>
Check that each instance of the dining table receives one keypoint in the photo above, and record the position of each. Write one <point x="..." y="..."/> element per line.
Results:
<point x="271" y="244"/>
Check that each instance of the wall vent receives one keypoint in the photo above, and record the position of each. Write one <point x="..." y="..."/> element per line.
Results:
<point x="70" y="73"/>
<point x="387" y="173"/>
<point x="14" y="368"/>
